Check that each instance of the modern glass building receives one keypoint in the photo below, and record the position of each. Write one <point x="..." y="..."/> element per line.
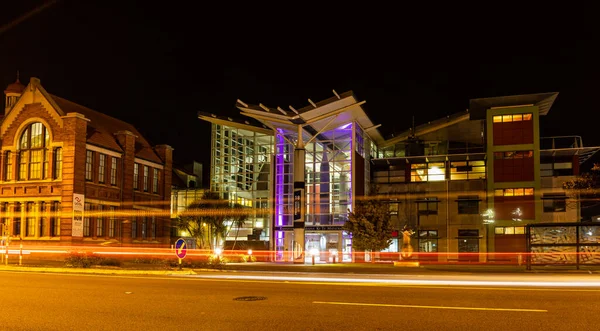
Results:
<point x="253" y="163"/>
<point x="303" y="170"/>
<point x="241" y="172"/>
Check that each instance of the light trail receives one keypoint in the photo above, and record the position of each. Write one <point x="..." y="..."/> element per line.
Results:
<point x="25" y="16"/>
<point x="400" y="281"/>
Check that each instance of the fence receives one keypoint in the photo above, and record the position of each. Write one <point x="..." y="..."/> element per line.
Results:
<point x="568" y="244"/>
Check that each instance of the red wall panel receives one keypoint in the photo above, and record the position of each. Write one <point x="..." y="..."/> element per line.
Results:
<point x="512" y="133"/>
<point x="504" y="206"/>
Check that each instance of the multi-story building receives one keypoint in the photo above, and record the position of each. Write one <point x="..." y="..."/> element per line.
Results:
<point x="469" y="183"/>
<point x="241" y="171"/>
<point x="466" y="183"/>
<point x="70" y="175"/>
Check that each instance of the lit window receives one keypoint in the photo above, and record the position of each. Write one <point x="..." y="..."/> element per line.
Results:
<point x="113" y="171"/>
<point x="86" y="220"/>
<point x="8" y="166"/>
<point x="101" y="167"/>
<point x="112" y="222"/>
<point x="145" y="178"/>
<point x="418" y="172"/>
<point x="527" y="117"/>
<point x="467" y="170"/>
<point x="507" y="118"/>
<point x="436" y="172"/>
<point x="33" y="152"/>
<point x="423" y="172"/>
<point x="155" y="180"/>
<point x="57" y="163"/>
<point x="509" y="230"/>
<point x="497" y="119"/>
<point x="136" y="175"/>
<point x="99" y="223"/>
<point x="89" y="165"/>
<point x="511" y="192"/>
<point x="55" y="218"/>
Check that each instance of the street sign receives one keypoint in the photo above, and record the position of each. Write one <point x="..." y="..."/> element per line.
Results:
<point x="180" y="248"/>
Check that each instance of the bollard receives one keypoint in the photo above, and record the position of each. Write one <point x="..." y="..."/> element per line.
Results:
<point x="313" y="259"/>
<point x="20" y="254"/>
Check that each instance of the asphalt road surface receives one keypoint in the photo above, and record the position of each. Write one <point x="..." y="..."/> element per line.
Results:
<point x="47" y="301"/>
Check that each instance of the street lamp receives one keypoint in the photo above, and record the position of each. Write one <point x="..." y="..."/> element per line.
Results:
<point x="488" y="218"/>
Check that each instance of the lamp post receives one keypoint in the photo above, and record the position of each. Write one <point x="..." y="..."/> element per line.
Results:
<point x="488" y="218"/>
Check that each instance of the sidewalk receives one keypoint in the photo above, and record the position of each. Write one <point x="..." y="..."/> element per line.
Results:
<point x="339" y="268"/>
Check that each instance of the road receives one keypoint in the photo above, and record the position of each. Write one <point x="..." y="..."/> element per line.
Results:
<point x="55" y="301"/>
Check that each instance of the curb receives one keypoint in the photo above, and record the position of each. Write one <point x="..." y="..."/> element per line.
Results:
<point x="96" y="271"/>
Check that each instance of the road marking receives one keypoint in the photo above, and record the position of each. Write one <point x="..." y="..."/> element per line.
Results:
<point x="429" y="307"/>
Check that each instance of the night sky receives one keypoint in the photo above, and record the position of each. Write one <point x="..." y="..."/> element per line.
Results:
<point x="156" y="64"/>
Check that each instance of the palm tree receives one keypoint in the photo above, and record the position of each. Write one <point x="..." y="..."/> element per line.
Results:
<point x="206" y="219"/>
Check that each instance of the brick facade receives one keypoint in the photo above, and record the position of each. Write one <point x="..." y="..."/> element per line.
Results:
<point x="46" y="145"/>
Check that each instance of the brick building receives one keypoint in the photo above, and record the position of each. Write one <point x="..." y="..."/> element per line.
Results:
<point x="56" y="153"/>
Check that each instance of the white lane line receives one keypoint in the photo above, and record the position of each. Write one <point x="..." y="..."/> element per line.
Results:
<point x="429" y="307"/>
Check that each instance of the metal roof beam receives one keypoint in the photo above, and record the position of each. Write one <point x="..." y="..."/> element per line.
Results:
<point x="335" y="112"/>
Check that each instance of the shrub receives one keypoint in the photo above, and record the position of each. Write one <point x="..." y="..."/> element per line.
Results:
<point x="216" y="261"/>
<point x="112" y="262"/>
<point x="151" y="260"/>
<point x="81" y="260"/>
<point x="246" y="258"/>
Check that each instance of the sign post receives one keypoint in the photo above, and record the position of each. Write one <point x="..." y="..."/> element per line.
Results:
<point x="78" y="214"/>
<point x="180" y="250"/>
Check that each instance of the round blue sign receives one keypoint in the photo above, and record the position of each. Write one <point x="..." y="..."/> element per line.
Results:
<point x="180" y="248"/>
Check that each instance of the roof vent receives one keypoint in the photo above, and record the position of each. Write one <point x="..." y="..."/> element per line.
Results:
<point x="213" y="115"/>
<point x="247" y="122"/>
<point x="229" y="118"/>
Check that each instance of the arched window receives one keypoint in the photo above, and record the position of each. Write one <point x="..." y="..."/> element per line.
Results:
<point x="33" y="152"/>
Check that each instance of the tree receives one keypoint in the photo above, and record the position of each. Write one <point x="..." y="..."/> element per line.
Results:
<point x="370" y="225"/>
<point x="210" y="219"/>
<point x="584" y="188"/>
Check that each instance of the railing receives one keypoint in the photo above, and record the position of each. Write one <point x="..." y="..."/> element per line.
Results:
<point x="561" y="142"/>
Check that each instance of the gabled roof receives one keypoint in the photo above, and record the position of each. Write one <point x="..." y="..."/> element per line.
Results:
<point x="101" y="130"/>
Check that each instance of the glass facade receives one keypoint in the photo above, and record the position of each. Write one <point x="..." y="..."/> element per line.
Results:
<point x="329" y="163"/>
<point x="255" y="168"/>
<point x="329" y="177"/>
<point x="241" y="173"/>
